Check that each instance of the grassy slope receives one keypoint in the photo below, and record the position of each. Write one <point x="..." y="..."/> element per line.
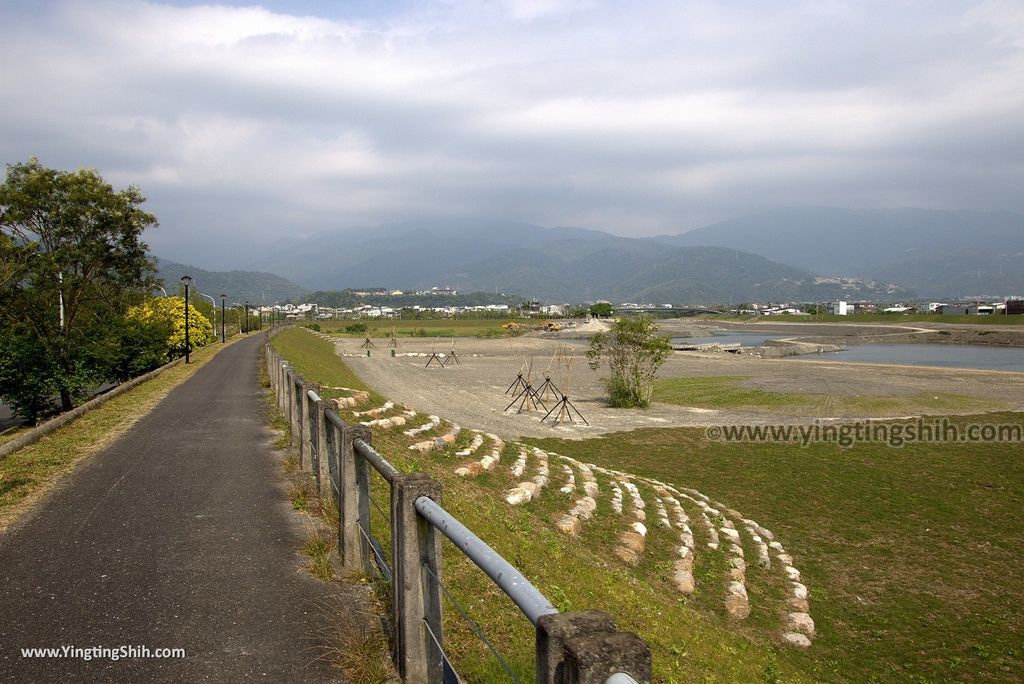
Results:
<point x="912" y="555"/>
<point x="688" y="644"/>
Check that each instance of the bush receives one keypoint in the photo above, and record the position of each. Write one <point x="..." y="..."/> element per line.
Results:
<point x="315" y="327"/>
<point x="355" y="328"/>
<point x="633" y="353"/>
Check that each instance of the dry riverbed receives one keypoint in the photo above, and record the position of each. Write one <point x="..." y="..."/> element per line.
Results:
<point x="473" y="394"/>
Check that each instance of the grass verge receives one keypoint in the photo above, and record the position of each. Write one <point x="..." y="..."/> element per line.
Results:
<point x="912" y="555"/>
<point x="729" y="392"/>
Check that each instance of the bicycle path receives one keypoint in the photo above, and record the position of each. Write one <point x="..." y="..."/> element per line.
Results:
<point x="178" y="535"/>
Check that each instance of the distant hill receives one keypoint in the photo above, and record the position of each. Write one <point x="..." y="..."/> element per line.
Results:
<point x="239" y="286"/>
<point x="938" y="254"/>
<point x="560" y="264"/>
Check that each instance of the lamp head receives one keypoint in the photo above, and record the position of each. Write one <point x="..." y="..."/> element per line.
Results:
<point x="186" y="280"/>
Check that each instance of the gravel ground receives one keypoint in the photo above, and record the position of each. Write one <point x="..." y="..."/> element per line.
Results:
<point x="473" y="394"/>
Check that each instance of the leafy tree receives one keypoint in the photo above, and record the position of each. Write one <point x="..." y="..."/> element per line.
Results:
<point x="167" y="314"/>
<point x="71" y="262"/>
<point x="601" y="310"/>
<point x="633" y="352"/>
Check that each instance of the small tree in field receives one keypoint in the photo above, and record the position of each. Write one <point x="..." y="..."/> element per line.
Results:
<point x="633" y="353"/>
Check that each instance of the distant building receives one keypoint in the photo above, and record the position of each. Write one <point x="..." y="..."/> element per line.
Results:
<point x="1014" y="307"/>
<point x="839" y="308"/>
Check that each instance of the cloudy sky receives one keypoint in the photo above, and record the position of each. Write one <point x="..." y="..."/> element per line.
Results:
<point x="244" y="122"/>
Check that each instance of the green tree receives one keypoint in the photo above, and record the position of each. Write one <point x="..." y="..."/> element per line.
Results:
<point x="601" y="310"/>
<point x="167" y="314"/>
<point x="71" y="262"/>
<point x="633" y="352"/>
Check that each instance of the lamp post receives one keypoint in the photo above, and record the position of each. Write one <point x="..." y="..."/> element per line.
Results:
<point x="223" y="321"/>
<point x="186" y="281"/>
<point x="247" y="317"/>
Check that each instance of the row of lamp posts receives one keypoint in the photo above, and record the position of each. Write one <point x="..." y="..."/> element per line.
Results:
<point x="187" y="281"/>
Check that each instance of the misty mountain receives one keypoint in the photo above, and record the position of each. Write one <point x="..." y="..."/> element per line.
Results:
<point x="561" y="264"/>
<point x="936" y="253"/>
<point x="239" y="286"/>
<point x="411" y="254"/>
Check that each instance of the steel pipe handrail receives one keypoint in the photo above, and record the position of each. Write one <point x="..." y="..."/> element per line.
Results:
<point x="386" y="470"/>
<point x="526" y="596"/>
<point x="313" y="395"/>
<point x="335" y="419"/>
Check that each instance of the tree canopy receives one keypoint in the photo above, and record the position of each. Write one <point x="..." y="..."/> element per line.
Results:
<point x="633" y="352"/>
<point x="71" y="263"/>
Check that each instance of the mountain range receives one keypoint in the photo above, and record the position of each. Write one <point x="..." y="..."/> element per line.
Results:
<point x="557" y="264"/>
<point x="239" y="286"/>
<point x="938" y="254"/>
<point x="805" y="254"/>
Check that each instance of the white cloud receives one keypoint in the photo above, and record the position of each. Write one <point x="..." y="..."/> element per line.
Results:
<point x="633" y="117"/>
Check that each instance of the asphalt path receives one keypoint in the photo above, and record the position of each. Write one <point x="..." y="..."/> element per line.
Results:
<point x="178" y="535"/>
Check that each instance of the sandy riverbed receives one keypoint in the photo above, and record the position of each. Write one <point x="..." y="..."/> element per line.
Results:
<point x="473" y="394"/>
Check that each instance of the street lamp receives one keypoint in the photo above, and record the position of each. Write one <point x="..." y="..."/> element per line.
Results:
<point x="186" y="281"/>
<point x="223" y="322"/>
<point x="247" y="317"/>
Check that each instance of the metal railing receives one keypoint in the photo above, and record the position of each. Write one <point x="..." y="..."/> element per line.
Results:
<point x="579" y="647"/>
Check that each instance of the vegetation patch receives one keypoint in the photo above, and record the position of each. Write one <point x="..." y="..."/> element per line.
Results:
<point x="912" y="554"/>
<point x="729" y="392"/>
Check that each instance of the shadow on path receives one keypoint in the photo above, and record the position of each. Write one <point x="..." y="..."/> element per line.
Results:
<point x="178" y="535"/>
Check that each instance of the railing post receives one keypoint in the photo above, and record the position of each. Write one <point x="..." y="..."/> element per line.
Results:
<point x="324" y="429"/>
<point x="353" y="504"/>
<point x="297" y="415"/>
<point x="416" y="596"/>
<point x="289" y="387"/>
<point x="593" y="658"/>
<point x="307" y="426"/>
<point x="553" y="631"/>
<point x="283" y="389"/>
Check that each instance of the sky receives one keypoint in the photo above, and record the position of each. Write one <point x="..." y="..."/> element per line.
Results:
<point x="243" y="123"/>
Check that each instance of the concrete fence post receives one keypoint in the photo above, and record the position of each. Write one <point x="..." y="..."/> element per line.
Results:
<point x="354" y="507"/>
<point x="325" y="431"/>
<point x="416" y="596"/>
<point x="289" y="388"/>
<point x="593" y="658"/>
<point x="311" y="429"/>
<point x="297" y="383"/>
<point x="553" y="631"/>
<point x="284" y="388"/>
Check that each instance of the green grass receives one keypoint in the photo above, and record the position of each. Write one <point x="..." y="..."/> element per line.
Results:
<point x="690" y="640"/>
<point x="316" y="361"/>
<point x="723" y="391"/>
<point x="912" y="555"/>
<point x="728" y="392"/>
<point x="453" y="327"/>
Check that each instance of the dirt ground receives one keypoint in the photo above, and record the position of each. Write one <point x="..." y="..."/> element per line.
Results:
<point x="473" y="394"/>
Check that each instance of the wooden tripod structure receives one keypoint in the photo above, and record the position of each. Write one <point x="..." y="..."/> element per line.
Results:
<point x="368" y="344"/>
<point x="519" y="383"/>
<point x="452" y="356"/>
<point x="564" y="409"/>
<point x="548" y="390"/>
<point x="528" y="398"/>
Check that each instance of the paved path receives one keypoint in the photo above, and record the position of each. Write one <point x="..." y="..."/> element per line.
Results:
<point x="176" y="536"/>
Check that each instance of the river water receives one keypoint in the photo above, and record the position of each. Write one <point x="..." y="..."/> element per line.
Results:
<point x="941" y="355"/>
